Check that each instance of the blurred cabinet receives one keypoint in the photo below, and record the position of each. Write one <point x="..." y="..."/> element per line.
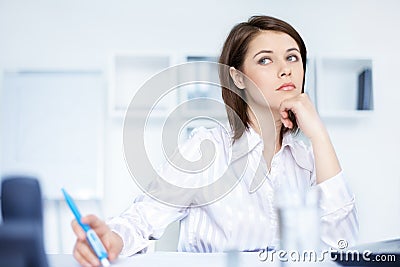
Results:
<point x="53" y="125"/>
<point x="128" y="73"/>
<point x="339" y="87"/>
<point x="191" y="92"/>
<point x="344" y="87"/>
<point x="204" y="92"/>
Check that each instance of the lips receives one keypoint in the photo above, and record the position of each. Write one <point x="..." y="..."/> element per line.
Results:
<point x="286" y="87"/>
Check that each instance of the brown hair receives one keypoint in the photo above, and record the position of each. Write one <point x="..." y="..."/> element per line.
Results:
<point x="233" y="55"/>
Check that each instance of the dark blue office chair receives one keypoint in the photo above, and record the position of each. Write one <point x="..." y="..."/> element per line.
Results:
<point x="21" y="233"/>
<point x="21" y="200"/>
<point x="21" y="245"/>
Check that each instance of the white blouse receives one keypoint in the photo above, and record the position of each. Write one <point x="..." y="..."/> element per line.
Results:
<point x="240" y="217"/>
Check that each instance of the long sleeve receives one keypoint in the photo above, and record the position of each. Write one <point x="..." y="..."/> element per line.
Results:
<point x="338" y="212"/>
<point x="167" y="200"/>
<point x="144" y="220"/>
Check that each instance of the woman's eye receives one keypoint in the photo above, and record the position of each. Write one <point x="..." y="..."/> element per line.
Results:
<point x="292" y="58"/>
<point x="264" y="61"/>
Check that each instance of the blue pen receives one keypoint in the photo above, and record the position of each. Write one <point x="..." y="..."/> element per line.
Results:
<point x="91" y="235"/>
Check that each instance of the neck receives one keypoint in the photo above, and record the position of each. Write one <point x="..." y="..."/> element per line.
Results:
<point x="268" y="126"/>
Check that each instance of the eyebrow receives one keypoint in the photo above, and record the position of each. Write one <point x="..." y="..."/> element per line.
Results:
<point x="270" y="51"/>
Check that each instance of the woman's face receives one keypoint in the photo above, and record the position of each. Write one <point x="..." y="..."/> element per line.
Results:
<point x="273" y="62"/>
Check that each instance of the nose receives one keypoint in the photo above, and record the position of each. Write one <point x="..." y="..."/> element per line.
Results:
<point x="285" y="71"/>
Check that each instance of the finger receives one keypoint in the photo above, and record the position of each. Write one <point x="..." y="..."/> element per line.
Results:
<point x="98" y="225"/>
<point x="287" y="123"/>
<point x="284" y="114"/>
<point x="78" y="230"/>
<point x="84" y="253"/>
<point x="287" y="111"/>
<point x="80" y="259"/>
<point x="112" y="250"/>
<point x="293" y="103"/>
<point x="112" y="255"/>
<point x="286" y="105"/>
<point x="90" y="219"/>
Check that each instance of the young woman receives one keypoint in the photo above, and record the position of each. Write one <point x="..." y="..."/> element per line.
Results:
<point x="262" y="76"/>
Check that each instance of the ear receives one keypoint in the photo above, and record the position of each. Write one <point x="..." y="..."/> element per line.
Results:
<point x="237" y="77"/>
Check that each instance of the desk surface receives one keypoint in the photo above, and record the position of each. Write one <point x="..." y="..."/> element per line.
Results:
<point x="176" y="259"/>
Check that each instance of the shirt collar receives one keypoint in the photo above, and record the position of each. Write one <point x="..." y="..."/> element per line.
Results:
<point x="299" y="150"/>
<point x="251" y="140"/>
<point x="245" y="144"/>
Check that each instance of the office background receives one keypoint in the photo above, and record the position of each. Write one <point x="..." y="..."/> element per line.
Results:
<point x="82" y="35"/>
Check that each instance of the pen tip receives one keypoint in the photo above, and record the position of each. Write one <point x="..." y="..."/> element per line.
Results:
<point x="105" y="262"/>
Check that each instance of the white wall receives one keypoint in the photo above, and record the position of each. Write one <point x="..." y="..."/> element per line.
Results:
<point x="82" y="34"/>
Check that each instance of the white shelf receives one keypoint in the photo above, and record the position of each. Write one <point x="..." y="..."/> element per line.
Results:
<point x="128" y="73"/>
<point x="310" y="80"/>
<point x="337" y="87"/>
<point x="346" y="114"/>
<point x="332" y="84"/>
<point x="199" y="95"/>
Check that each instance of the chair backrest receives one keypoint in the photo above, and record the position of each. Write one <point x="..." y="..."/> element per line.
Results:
<point x="21" y="199"/>
<point x="21" y="245"/>
<point x="21" y="233"/>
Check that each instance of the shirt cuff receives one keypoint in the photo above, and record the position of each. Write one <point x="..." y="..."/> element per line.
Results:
<point x="335" y="194"/>
<point x="116" y="228"/>
<point x="128" y="248"/>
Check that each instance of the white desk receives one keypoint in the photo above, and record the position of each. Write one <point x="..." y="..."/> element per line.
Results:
<point x="177" y="259"/>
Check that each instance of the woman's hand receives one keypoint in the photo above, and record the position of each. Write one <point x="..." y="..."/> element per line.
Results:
<point x="82" y="250"/>
<point x="326" y="162"/>
<point x="306" y="115"/>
